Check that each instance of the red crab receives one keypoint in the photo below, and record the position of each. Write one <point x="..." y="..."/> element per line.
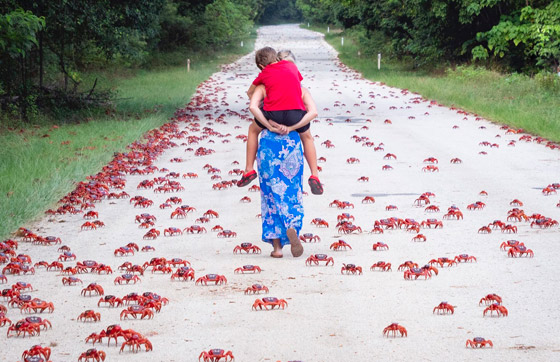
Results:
<point x="248" y="269"/>
<point x="37" y="306"/>
<point x="269" y="302"/>
<point x="102" y="268"/>
<point x="152" y="234"/>
<point x="137" y="310"/>
<point x="345" y="217"/>
<point x="350" y="269"/>
<point x="430" y="168"/>
<point x="35" y="353"/>
<point x="248" y="248"/>
<point x="419" y="237"/>
<point x="111" y="300"/>
<point x="349" y="228"/>
<point x="316" y="258"/>
<point x="55" y="265"/>
<point x="123" y="250"/>
<point x="516" y="202"/>
<point x="443" y="261"/>
<point x="135" y="342"/>
<point x="91" y="215"/>
<point x="478" y="342"/>
<point x="380" y="246"/>
<point x="509" y="229"/>
<point x="479" y="205"/>
<point x="491" y="299"/>
<point x="431" y="222"/>
<point x="67" y="256"/>
<point x="319" y="222"/>
<point x="444" y="308"/>
<point x="416" y="273"/>
<point x="90" y="315"/>
<point x="211" y="214"/>
<point x="184" y="273"/>
<point x="495" y="307"/>
<point x="432" y="208"/>
<point x="393" y="329"/>
<point x="215" y="355"/>
<point x="520" y="251"/>
<point x="179" y="214"/>
<point x="463" y="258"/>
<point x="453" y="214"/>
<point x="485" y="230"/>
<point x="510" y="244"/>
<point x="22" y="286"/>
<point x="178" y="261"/>
<point x="245" y="199"/>
<point x="339" y="245"/>
<point x="217" y="279"/>
<point x="227" y="234"/>
<point x="407" y="265"/>
<point x="92" y="354"/>
<point x="383" y="266"/>
<point x="127" y="278"/>
<point x="93" y="287"/>
<point x="422" y="200"/>
<point x="309" y="237"/>
<point x="456" y="160"/>
<point x="386" y="168"/>
<point x="195" y="229"/>
<point x="71" y="281"/>
<point x="352" y="160"/>
<point x="256" y="289"/>
<point x="368" y="200"/>
<point x="172" y="231"/>
<point x="23" y="327"/>
<point x="363" y="179"/>
<point x="254" y="188"/>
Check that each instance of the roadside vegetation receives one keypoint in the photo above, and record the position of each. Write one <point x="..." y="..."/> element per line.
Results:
<point x="515" y="99"/>
<point x="42" y="162"/>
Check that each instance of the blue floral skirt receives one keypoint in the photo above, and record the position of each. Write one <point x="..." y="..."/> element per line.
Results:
<point x="280" y="168"/>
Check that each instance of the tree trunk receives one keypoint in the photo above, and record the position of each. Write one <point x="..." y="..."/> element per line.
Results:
<point x="40" y="60"/>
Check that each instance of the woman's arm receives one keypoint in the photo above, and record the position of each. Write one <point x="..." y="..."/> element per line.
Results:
<point x="311" y="110"/>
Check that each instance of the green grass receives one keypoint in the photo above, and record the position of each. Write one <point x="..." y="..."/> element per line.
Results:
<point x="37" y="170"/>
<point x="516" y="100"/>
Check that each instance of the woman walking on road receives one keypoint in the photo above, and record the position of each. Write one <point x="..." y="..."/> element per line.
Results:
<point x="280" y="167"/>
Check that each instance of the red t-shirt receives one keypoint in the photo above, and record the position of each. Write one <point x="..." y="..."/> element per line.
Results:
<point x="283" y="88"/>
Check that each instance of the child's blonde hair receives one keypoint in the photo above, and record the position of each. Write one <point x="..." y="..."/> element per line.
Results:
<point x="286" y="55"/>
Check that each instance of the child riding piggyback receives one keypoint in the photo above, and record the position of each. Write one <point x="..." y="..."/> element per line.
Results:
<point x="283" y="107"/>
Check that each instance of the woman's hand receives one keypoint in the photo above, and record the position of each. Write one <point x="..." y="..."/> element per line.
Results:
<point x="278" y="128"/>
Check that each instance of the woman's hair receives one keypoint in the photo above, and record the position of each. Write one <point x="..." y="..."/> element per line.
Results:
<point x="265" y="56"/>
<point x="286" y="55"/>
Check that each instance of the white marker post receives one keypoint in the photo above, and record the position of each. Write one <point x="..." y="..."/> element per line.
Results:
<point x="188" y="65"/>
<point x="328" y="29"/>
<point x="378" y="61"/>
<point x="242" y="43"/>
<point x="308" y="25"/>
<point x="342" y="41"/>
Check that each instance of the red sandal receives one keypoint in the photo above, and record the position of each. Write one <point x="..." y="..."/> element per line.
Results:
<point x="247" y="178"/>
<point x="315" y="184"/>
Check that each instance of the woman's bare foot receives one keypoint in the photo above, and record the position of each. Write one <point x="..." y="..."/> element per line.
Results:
<point x="277" y="252"/>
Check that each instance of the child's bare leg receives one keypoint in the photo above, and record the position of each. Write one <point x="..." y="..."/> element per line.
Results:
<point x="309" y="152"/>
<point x="252" y="146"/>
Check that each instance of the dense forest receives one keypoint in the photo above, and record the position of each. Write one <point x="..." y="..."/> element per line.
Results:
<point x="523" y="35"/>
<point x="45" y="46"/>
